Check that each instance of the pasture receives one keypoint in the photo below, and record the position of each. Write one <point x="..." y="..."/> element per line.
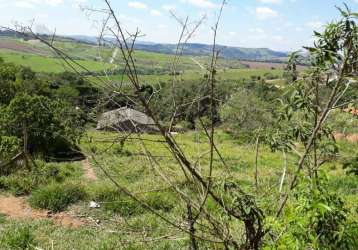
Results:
<point x="119" y="222"/>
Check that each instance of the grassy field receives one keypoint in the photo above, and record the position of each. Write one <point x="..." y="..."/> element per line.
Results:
<point x="40" y="58"/>
<point x="49" y="64"/>
<point x="121" y="224"/>
<point x="222" y="75"/>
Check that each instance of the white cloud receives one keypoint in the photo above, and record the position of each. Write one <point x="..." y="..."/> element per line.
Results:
<point x="24" y="4"/>
<point x="232" y="33"/>
<point x="270" y="1"/>
<point x="162" y="26"/>
<point x="278" y="38"/>
<point x="257" y="30"/>
<point x="264" y="13"/>
<point x="128" y="19"/>
<point x="315" y="24"/>
<point x="137" y="5"/>
<point x="54" y="2"/>
<point x="155" y="13"/>
<point x="168" y="7"/>
<point x="207" y="4"/>
<point x="33" y="3"/>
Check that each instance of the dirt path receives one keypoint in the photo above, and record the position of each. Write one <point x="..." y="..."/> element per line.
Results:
<point x="89" y="172"/>
<point x="18" y="208"/>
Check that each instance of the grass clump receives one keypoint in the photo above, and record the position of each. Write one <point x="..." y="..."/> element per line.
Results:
<point x="114" y="201"/>
<point x="24" y="181"/>
<point x="57" y="197"/>
<point x="19" y="237"/>
<point x="19" y="184"/>
<point x="164" y="200"/>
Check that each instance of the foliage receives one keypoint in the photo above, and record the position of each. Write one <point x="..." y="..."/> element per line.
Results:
<point x="351" y="165"/>
<point x="244" y="114"/>
<point x="318" y="219"/>
<point x="291" y="72"/>
<point x="57" y="197"/>
<point x="51" y="126"/>
<point x="343" y="122"/>
<point x="9" y="146"/>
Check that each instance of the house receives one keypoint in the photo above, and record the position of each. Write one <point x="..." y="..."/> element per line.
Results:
<point x="128" y="120"/>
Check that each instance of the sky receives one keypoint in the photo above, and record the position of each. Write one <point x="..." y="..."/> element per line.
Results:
<point x="282" y="25"/>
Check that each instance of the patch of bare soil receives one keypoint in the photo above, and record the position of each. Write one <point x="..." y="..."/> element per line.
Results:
<point x="10" y="45"/>
<point x="89" y="172"/>
<point x="353" y="138"/>
<point x="18" y="208"/>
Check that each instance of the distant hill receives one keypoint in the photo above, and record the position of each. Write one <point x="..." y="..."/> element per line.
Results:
<point x="228" y="52"/>
<point x="193" y="49"/>
<point x="198" y="49"/>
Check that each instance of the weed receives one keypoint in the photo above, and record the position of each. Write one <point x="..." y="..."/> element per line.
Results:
<point x="57" y="197"/>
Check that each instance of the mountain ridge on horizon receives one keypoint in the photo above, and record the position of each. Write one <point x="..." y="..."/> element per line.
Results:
<point x="202" y="49"/>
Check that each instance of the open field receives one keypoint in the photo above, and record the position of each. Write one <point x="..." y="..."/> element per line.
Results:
<point x="222" y="75"/>
<point x="29" y="53"/>
<point x="113" y="226"/>
<point x="268" y="65"/>
<point x="49" y="64"/>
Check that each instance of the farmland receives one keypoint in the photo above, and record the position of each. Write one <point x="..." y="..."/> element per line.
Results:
<point x="40" y="59"/>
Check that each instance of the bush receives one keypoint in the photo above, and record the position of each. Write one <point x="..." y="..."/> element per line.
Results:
<point x="19" y="184"/>
<point x="244" y="114"/>
<point x="57" y="197"/>
<point x="9" y="147"/>
<point x="351" y="166"/>
<point x="19" y="237"/>
<point x="318" y="219"/>
<point x="23" y="182"/>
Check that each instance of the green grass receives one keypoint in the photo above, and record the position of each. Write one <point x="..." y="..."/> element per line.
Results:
<point x="57" y="197"/>
<point x="49" y="64"/>
<point x="124" y="224"/>
<point x="40" y="58"/>
<point x="229" y="74"/>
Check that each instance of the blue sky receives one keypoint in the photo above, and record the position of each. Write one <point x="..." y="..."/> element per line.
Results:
<point x="277" y="24"/>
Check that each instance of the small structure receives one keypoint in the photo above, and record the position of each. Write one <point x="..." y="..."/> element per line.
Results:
<point x="128" y="120"/>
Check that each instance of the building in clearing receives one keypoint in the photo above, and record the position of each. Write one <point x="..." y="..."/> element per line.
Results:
<point x="128" y="120"/>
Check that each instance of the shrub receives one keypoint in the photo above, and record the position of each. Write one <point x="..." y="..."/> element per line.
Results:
<point x="57" y="197"/>
<point x="351" y="166"/>
<point x="9" y="147"/>
<point x="19" y="237"/>
<point x="19" y="184"/>
<point x="244" y="114"/>
<point x="318" y="219"/>
<point x="23" y="182"/>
